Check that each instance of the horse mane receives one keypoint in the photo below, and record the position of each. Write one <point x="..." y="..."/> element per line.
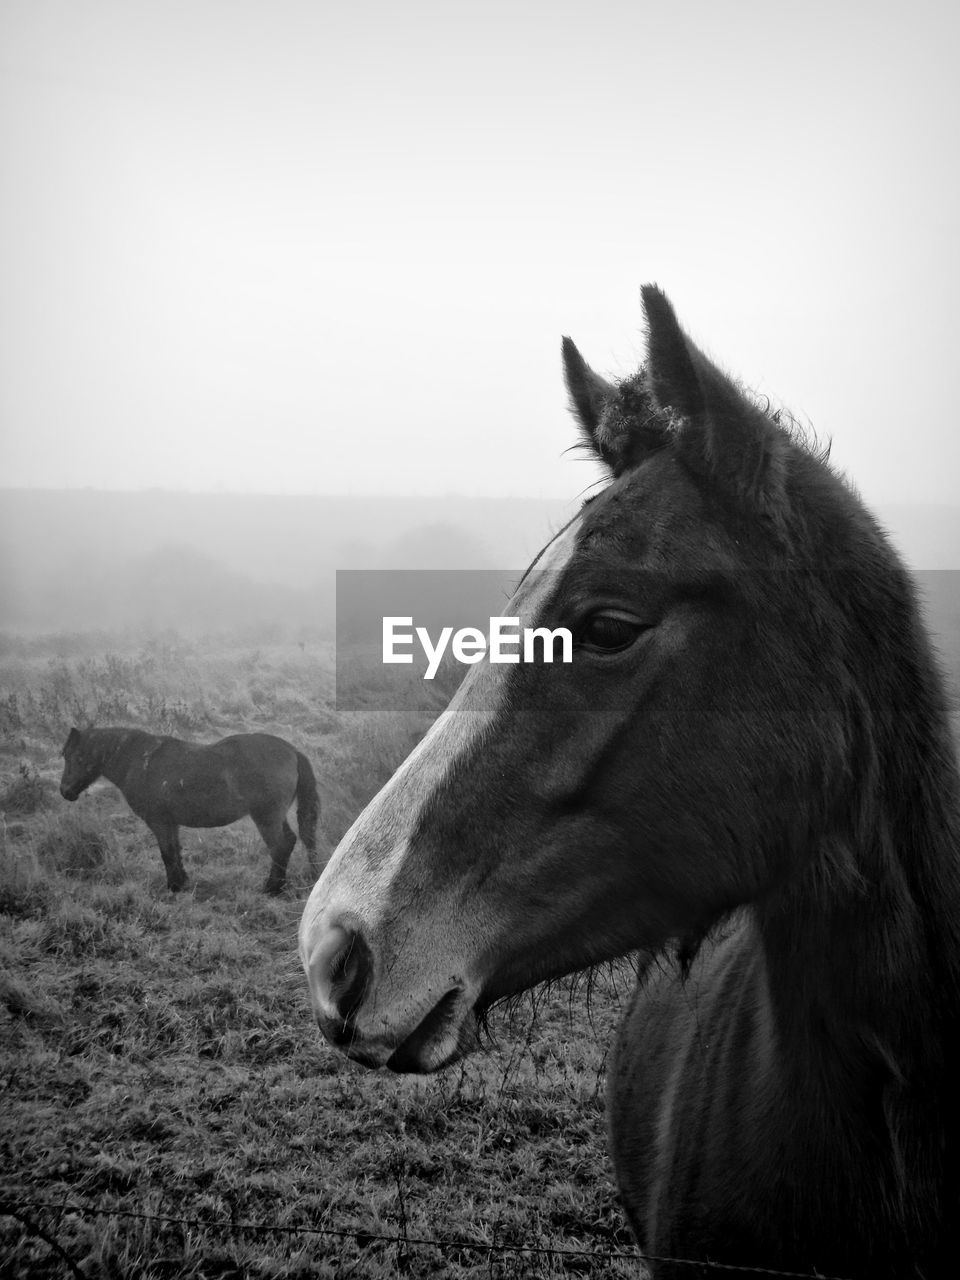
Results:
<point x="880" y="888"/>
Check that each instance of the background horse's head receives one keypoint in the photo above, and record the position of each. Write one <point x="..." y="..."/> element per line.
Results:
<point x="82" y="764"/>
<point x="725" y="592"/>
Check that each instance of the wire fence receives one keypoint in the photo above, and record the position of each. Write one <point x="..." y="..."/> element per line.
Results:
<point x="24" y="1211"/>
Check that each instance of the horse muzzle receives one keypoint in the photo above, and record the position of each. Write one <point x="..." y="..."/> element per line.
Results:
<point x="418" y="1027"/>
<point x="70" y="793"/>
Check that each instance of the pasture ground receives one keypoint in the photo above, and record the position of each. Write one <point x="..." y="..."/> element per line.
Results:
<point x="157" y="1057"/>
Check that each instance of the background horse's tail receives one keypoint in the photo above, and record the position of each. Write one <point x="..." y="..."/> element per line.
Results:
<point x="308" y="806"/>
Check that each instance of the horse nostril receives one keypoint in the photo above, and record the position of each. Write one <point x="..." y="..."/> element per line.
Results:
<point x="339" y="970"/>
<point x="349" y="975"/>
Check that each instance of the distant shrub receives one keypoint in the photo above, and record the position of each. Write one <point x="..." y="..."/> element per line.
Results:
<point x="157" y="687"/>
<point x="57" y="702"/>
<point x="11" y="718"/>
<point x="260" y="695"/>
<point x="24" y="890"/>
<point x="172" y="715"/>
<point x="291" y="705"/>
<point x="74" y="844"/>
<point x="26" y="793"/>
<point x="237" y="703"/>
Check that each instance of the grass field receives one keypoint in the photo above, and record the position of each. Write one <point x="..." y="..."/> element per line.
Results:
<point x="164" y="1090"/>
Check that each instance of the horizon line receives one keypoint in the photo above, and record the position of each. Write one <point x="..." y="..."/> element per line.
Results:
<point x="372" y="495"/>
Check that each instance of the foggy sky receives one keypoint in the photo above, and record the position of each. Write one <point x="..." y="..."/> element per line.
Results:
<point x="327" y="248"/>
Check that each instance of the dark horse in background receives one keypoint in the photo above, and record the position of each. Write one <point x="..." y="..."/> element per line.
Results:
<point x="747" y="774"/>
<point x="172" y="784"/>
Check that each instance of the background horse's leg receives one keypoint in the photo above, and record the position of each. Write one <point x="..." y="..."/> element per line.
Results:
<point x="308" y="810"/>
<point x="168" y="838"/>
<point x="279" y="838"/>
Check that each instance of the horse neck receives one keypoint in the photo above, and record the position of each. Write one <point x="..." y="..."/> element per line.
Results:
<point x="113" y="748"/>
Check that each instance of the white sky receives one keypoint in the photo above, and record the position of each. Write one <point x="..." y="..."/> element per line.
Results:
<point x="331" y="247"/>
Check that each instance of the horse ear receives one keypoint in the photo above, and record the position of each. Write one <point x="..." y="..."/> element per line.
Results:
<point x="618" y="421"/>
<point x="722" y="433"/>
<point x="589" y="393"/>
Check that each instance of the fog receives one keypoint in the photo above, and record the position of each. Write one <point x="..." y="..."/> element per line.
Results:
<point x="219" y="562"/>
<point x="266" y="565"/>
<point x="301" y="247"/>
<point x="321" y="253"/>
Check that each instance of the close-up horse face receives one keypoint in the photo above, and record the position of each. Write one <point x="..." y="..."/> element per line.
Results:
<point x="561" y="814"/>
<point x="80" y="768"/>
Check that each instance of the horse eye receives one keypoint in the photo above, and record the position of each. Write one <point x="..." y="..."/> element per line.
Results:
<point x="609" y="632"/>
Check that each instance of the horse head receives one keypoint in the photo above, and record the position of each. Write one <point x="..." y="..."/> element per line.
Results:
<point x="689" y="759"/>
<point x="81" y="764"/>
